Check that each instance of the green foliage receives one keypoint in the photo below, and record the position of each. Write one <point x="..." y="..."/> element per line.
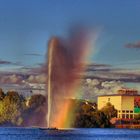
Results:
<point x="9" y="111"/>
<point x="14" y="110"/>
<point x="11" y="108"/>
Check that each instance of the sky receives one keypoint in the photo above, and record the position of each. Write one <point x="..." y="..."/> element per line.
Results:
<point x="27" y="25"/>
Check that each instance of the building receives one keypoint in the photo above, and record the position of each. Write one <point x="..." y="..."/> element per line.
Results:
<point x="126" y="101"/>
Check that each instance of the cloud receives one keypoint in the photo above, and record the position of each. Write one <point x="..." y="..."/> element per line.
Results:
<point x="133" y="45"/>
<point x="108" y="72"/>
<point x="33" y="54"/>
<point x="91" y="88"/>
<point x="14" y="79"/>
<point x="93" y="82"/>
<point x="94" y="71"/>
<point x="94" y="67"/>
<point x="5" y="62"/>
<point x="37" y="78"/>
<point x="24" y="75"/>
<point x="21" y="78"/>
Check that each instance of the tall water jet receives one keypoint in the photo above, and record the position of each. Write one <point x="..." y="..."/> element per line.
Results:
<point x="50" y="53"/>
<point x="65" y="64"/>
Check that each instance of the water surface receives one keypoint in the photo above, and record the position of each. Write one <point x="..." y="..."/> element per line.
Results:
<point x="68" y="134"/>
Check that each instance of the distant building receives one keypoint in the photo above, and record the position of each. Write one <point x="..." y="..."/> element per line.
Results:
<point x="126" y="101"/>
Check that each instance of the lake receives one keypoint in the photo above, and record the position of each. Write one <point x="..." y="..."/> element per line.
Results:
<point x="68" y="134"/>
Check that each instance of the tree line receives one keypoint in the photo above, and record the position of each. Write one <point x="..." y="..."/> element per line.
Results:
<point x="16" y="110"/>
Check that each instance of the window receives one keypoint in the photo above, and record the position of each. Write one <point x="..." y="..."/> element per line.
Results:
<point x="123" y="116"/>
<point x="127" y="111"/>
<point x="131" y="111"/>
<point x="123" y="111"/>
<point x="127" y="116"/>
<point x="108" y="99"/>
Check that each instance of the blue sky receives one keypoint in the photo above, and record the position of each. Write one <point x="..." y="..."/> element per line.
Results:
<point x="27" y="25"/>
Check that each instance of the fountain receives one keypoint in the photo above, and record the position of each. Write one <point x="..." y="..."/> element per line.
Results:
<point x="65" y="62"/>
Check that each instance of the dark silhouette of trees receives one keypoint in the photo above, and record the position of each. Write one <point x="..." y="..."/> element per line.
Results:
<point x="89" y="117"/>
<point x="35" y="114"/>
<point x="2" y="95"/>
<point x="36" y="101"/>
<point x="109" y="111"/>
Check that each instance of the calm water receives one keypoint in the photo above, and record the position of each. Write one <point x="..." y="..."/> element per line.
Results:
<point x="76" y="134"/>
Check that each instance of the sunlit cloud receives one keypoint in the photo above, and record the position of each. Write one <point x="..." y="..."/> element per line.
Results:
<point x="91" y="88"/>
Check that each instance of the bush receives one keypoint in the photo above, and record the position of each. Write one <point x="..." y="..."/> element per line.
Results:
<point x="89" y="117"/>
<point x="11" y="109"/>
<point x="109" y="111"/>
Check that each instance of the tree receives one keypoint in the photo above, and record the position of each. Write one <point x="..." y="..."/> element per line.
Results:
<point x="14" y="96"/>
<point x="89" y="117"/>
<point x="2" y="95"/>
<point x="35" y="115"/>
<point x="87" y="108"/>
<point x="100" y="120"/>
<point x="11" y="109"/>
<point x="109" y="111"/>
<point x="36" y="100"/>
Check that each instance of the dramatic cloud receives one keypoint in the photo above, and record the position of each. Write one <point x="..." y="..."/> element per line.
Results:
<point x="107" y="72"/>
<point x="93" y="71"/>
<point x="133" y="45"/>
<point x="91" y="88"/>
